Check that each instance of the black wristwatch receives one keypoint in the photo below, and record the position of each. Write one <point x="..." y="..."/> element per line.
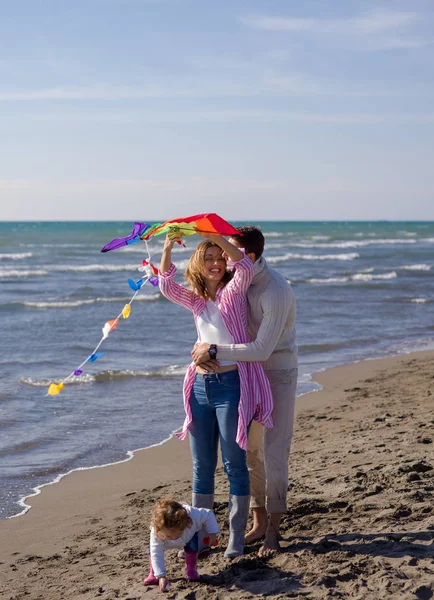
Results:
<point x="212" y="351"/>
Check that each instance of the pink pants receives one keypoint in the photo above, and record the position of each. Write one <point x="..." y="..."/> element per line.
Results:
<point x="268" y="449"/>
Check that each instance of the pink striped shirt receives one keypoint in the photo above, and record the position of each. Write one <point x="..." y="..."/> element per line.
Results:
<point x="256" y="401"/>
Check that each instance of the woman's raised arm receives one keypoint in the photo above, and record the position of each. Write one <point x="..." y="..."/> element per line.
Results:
<point x="232" y="252"/>
<point x="166" y="257"/>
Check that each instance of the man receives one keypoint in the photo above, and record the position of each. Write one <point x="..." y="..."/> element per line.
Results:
<point x="272" y="314"/>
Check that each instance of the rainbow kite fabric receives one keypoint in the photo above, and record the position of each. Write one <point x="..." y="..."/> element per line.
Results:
<point x="205" y="223"/>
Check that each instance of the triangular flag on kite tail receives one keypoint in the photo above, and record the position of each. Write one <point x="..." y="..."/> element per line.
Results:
<point x="55" y="388"/>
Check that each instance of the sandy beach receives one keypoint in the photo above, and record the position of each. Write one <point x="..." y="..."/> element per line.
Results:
<point x="360" y="521"/>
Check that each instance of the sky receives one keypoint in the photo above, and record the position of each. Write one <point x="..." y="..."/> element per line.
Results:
<point x="254" y="109"/>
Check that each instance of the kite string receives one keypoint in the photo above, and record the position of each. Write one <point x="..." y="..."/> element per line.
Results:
<point x="145" y="279"/>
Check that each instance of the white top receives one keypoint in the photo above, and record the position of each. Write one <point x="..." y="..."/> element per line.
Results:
<point x="212" y="328"/>
<point x="201" y="517"/>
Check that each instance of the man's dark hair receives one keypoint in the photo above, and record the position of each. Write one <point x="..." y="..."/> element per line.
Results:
<point x="252" y="239"/>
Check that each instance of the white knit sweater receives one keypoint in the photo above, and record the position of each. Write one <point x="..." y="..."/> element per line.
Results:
<point x="272" y="313"/>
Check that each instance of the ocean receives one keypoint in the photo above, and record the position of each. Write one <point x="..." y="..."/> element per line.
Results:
<point x="363" y="289"/>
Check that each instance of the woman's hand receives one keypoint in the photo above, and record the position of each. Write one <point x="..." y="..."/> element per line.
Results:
<point x="171" y="239"/>
<point x="163" y="582"/>
<point x="200" y="353"/>
<point x="214" y="237"/>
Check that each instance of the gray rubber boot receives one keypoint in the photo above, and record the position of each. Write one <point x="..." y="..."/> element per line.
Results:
<point x="202" y="501"/>
<point x="238" y="514"/>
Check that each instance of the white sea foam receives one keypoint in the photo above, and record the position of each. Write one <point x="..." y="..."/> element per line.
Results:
<point x="274" y="245"/>
<point x="419" y="300"/>
<point x="295" y="256"/>
<point x="16" y="256"/>
<point x="351" y="243"/>
<point x="421" y="267"/>
<point x="75" y="303"/>
<point x="6" y="273"/>
<point x="84" y="378"/>
<point x="371" y="277"/>
<point x="87" y="378"/>
<point x="59" y="245"/>
<point x="362" y="276"/>
<point x="91" y="268"/>
<point x="329" y="280"/>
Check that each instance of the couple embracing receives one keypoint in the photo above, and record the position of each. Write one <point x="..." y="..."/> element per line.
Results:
<point x="240" y="389"/>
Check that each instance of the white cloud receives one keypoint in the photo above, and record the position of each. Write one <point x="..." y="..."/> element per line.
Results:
<point x="372" y="22"/>
<point x="378" y="29"/>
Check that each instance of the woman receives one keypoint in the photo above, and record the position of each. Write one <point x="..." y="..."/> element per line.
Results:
<point x="222" y="405"/>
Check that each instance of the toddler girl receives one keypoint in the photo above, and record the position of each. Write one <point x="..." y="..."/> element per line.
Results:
<point x="176" y="525"/>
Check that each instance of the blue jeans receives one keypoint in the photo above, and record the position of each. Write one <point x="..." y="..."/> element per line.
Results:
<point x="193" y="544"/>
<point x="214" y="404"/>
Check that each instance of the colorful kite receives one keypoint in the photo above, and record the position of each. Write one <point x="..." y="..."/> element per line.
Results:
<point x="205" y="223"/>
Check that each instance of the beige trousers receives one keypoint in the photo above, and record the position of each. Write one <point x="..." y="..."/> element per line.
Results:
<point x="268" y="449"/>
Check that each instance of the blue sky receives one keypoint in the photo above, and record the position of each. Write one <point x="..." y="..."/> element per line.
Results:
<point x="272" y="109"/>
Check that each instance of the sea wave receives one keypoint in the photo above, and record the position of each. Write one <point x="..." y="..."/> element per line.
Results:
<point x="314" y="348"/>
<point x="15" y="256"/>
<point x="421" y="267"/>
<point x="371" y="276"/>
<point x="7" y="273"/>
<point x="91" y="268"/>
<point x="420" y="300"/>
<point x="109" y="375"/>
<point x="295" y="256"/>
<point x="328" y="280"/>
<point x="75" y="303"/>
<point x="351" y="243"/>
<point x="87" y="245"/>
<point x="356" y="277"/>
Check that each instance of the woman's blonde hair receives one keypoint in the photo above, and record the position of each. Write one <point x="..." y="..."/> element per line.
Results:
<point x="195" y="268"/>
<point x="169" y="514"/>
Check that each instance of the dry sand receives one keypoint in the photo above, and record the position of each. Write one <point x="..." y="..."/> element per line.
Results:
<point x="360" y="521"/>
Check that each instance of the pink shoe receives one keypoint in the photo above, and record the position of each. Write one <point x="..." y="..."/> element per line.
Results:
<point x="191" y="573"/>
<point x="150" y="579"/>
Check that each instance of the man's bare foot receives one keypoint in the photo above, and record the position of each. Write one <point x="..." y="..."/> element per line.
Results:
<point x="255" y="535"/>
<point x="259" y="526"/>
<point x="271" y="543"/>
